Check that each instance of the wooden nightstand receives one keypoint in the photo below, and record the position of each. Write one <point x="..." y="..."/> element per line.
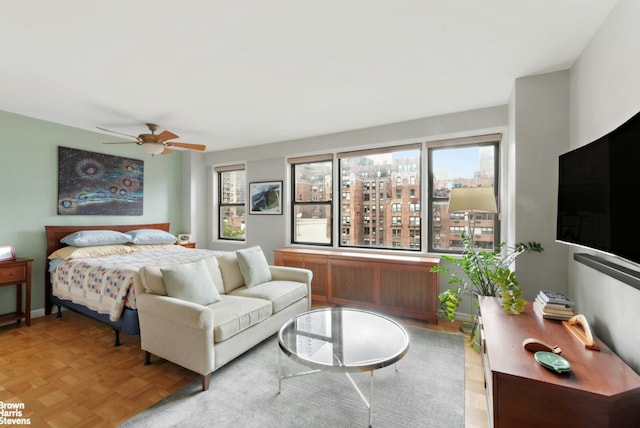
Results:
<point x="189" y="245"/>
<point x="17" y="272"/>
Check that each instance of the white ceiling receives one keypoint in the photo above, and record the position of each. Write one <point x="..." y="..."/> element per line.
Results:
<point x="243" y="72"/>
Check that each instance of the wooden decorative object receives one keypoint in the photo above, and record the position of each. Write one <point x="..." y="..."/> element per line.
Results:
<point x="579" y="328"/>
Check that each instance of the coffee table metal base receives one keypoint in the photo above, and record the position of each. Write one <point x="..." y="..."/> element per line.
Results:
<point x="367" y="401"/>
<point x="342" y="340"/>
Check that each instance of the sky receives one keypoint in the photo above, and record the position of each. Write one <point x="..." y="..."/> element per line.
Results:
<point x="458" y="162"/>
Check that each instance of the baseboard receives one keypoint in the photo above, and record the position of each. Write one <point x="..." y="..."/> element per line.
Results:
<point x="34" y="314"/>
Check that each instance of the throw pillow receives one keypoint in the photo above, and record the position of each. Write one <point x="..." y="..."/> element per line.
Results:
<point x="254" y="266"/>
<point x="230" y="271"/>
<point x="191" y="282"/>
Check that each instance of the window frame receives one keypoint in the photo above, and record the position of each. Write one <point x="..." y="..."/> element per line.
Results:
<point x="312" y="204"/>
<point x="489" y="140"/>
<point x="223" y="205"/>
<point x="420" y="204"/>
<point x="372" y="185"/>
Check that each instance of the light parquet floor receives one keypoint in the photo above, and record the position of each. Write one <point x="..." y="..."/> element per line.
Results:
<point x="68" y="374"/>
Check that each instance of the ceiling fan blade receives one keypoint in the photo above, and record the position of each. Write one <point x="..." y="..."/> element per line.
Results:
<point x="123" y="142"/>
<point x="166" y="151"/>
<point x="116" y="132"/>
<point x="166" y="135"/>
<point x="200" y="147"/>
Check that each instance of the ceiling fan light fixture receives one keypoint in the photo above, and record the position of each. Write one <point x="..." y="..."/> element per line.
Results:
<point x="153" y="148"/>
<point x="156" y="144"/>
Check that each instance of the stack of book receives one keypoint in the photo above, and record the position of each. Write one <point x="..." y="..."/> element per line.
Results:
<point x="553" y="305"/>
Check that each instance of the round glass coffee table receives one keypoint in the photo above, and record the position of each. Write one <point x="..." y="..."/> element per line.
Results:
<point x="342" y="340"/>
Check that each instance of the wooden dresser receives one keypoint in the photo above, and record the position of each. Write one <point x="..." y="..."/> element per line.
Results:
<point x="600" y="391"/>
<point x="394" y="284"/>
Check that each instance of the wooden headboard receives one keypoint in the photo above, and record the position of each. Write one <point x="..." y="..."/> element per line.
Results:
<point x="56" y="233"/>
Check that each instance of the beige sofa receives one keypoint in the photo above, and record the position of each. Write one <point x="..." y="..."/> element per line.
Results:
<point x="252" y="302"/>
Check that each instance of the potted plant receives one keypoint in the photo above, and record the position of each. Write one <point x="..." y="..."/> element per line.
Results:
<point x="486" y="273"/>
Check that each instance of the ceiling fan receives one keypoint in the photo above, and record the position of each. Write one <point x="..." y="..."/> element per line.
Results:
<point x="156" y="144"/>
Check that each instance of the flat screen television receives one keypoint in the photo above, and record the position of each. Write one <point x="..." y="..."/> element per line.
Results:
<point x="599" y="191"/>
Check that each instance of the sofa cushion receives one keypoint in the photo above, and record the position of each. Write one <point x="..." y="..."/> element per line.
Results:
<point x="230" y="270"/>
<point x="233" y="314"/>
<point x="152" y="282"/>
<point x="253" y="266"/>
<point x="191" y="282"/>
<point x="280" y="293"/>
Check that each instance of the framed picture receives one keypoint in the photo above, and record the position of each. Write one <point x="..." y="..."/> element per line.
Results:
<point x="7" y="253"/>
<point x="265" y="197"/>
<point x="91" y="183"/>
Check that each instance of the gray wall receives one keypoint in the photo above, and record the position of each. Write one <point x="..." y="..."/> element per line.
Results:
<point x="605" y="92"/>
<point x="269" y="162"/>
<point x="540" y="125"/>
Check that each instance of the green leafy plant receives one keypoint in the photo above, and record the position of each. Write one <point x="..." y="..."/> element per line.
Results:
<point x="484" y="273"/>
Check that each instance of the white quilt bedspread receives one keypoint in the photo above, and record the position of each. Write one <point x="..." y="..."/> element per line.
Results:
<point x="105" y="284"/>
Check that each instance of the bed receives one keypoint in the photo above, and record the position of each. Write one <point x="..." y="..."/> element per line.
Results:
<point x="101" y="286"/>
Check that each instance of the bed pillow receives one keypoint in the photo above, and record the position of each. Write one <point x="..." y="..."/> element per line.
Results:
<point x="191" y="282"/>
<point x="71" y="252"/>
<point x="90" y="238"/>
<point x="254" y="266"/>
<point x="151" y="236"/>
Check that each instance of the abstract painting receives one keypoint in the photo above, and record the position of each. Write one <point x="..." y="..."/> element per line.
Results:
<point x="266" y="197"/>
<point x="98" y="184"/>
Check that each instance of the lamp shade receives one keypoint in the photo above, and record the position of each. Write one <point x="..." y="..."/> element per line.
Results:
<point x="153" y="148"/>
<point x="472" y="199"/>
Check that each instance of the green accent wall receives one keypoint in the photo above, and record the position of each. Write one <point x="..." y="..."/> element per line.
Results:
<point x="29" y="190"/>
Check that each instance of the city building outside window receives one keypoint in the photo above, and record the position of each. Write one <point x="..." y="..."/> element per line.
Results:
<point x="231" y="196"/>
<point x="312" y="206"/>
<point x="387" y="179"/>
<point x="388" y="183"/>
<point x="466" y="162"/>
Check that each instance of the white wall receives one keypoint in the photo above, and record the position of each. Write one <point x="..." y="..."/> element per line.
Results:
<point x="605" y="92"/>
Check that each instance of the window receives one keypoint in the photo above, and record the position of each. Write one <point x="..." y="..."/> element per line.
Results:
<point x="312" y="205"/>
<point x="389" y="183"/>
<point x="231" y="196"/>
<point x="391" y="167"/>
<point x="466" y="162"/>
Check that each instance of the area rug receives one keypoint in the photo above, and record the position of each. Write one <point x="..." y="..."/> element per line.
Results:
<point x="427" y="390"/>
